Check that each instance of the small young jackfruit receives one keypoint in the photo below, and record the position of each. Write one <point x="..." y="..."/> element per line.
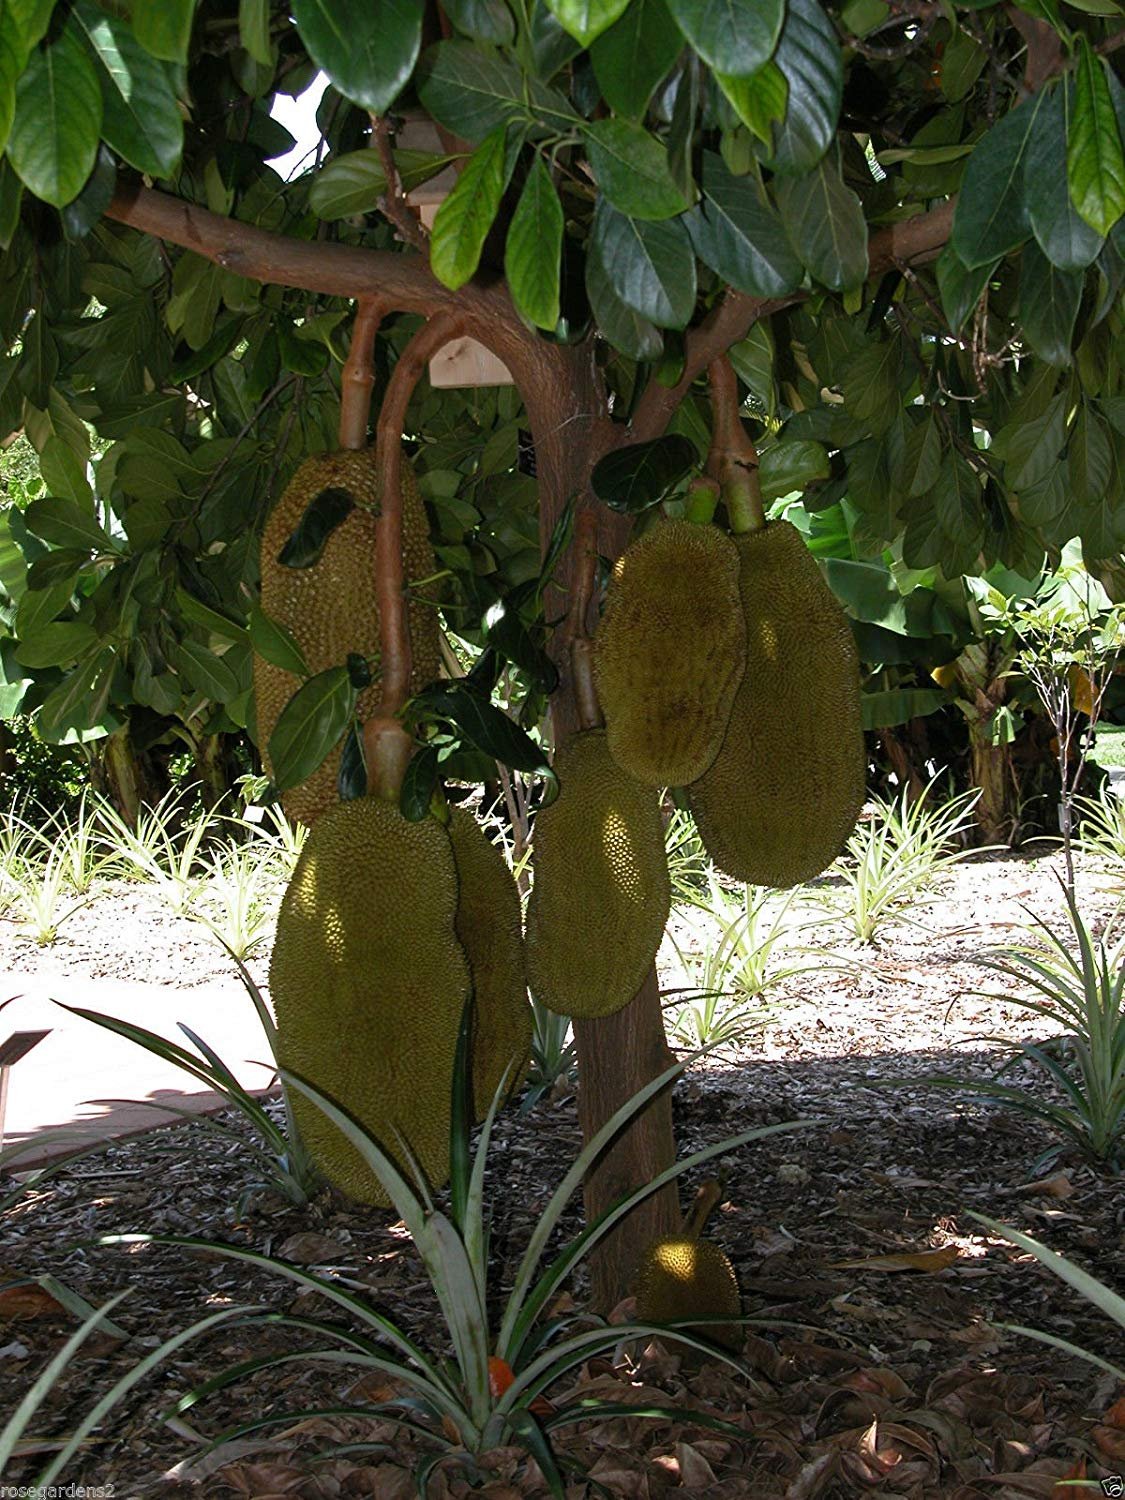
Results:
<point x="489" y="927"/>
<point x="330" y="608"/>
<point x="784" y="792"/>
<point x="369" y="983"/>
<point x="601" y="894"/>
<point x="671" y="651"/>
<point x="683" y="1276"/>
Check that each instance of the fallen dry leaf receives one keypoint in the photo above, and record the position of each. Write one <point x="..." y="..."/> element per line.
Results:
<point x="918" y="1260"/>
<point x="28" y="1301"/>
<point x="1058" y="1185"/>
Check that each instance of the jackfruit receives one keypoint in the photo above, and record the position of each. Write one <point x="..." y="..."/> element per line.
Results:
<point x="369" y="983"/>
<point x="489" y="927"/>
<point x="785" y="790"/>
<point x="331" y="608"/>
<point x="690" y="1278"/>
<point x="670" y="651"/>
<point x="683" y="1276"/>
<point x="601" y="895"/>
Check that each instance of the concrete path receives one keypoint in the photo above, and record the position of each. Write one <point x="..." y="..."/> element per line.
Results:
<point x="75" y="1077"/>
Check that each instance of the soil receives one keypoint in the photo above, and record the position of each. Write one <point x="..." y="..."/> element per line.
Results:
<point x="871" y="1366"/>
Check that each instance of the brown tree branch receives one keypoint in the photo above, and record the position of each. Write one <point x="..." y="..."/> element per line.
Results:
<point x="912" y="240"/>
<point x="393" y="203"/>
<point x="733" y="459"/>
<point x="357" y="380"/>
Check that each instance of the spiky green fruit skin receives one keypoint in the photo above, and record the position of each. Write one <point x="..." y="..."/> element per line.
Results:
<point x="330" y="609"/>
<point x="489" y="927"/>
<point x="689" y="1278"/>
<point x="785" y="790"/>
<point x="671" y="651"/>
<point x="601" y="895"/>
<point x="368" y="983"/>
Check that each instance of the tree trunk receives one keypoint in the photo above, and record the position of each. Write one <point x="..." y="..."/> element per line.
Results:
<point x="618" y="1054"/>
<point x="214" y="763"/>
<point x="996" y="812"/>
<point x="124" y="776"/>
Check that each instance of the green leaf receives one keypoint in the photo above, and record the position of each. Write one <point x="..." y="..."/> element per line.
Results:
<point x="65" y="524"/>
<point x="1065" y="239"/>
<point x="791" y="465"/>
<point x="631" y="169"/>
<point x="482" y="724"/>
<point x="890" y="706"/>
<point x="163" y="27"/>
<point x="210" y="620"/>
<point x="992" y="216"/>
<point x="466" y="216"/>
<point x="759" y="101"/>
<point x="419" y="785"/>
<point x="960" y="288"/>
<point x="64" y="473"/>
<point x="809" y="58"/>
<point x="58" y="569"/>
<point x="1032" y="450"/>
<point x="11" y="196"/>
<point x="916" y="470"/>
<point x="351" y="775"/>
<point x="1094" y="156"/>
<point x="80" y="699"/>
<point x="310" y="726"/>
<point x="38" y="606"/>
<point x="510" y="638"/>
<point x="651" y="264"/>
<point x="633" y="478"/>
<point x="11" y="66"/>
<point x="1049" y="301"/>
<point x="354" y="182"/>
<point x="1089" y="458"/>
<point x="735" y="230"/>
<point x="54" y="136"/>
<point x="275" y="643"/>
<point x="586" y="19"/>
<point x="254" y="30"/>
<point x="625" y="329"/>
<point x="533" y="249"/>
<point x="204" y="671"/>
<point x="368" y="51"/>
<point x="141" y="119"/>
<point x="319" y="519"/>
<point x="825" y="222"/>
<point x="483" y="20"/>
<point x="471" y="92"/>
<point x="736" y="36"/>
<point x="55" y="644"/>
<point x="632" y="57"/>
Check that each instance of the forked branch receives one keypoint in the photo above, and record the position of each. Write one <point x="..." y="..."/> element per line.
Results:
<point x="358" y="377"/>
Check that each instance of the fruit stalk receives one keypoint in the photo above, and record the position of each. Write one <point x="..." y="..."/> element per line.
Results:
<point x="581" y="646"/>
<point x="733" y="459"/>
<point x="358" y="377"/>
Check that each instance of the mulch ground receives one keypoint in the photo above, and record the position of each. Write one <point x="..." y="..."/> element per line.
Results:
<point x="859" y="1379"/>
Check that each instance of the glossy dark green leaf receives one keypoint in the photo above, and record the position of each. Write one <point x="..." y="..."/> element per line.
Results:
<point x="354" y="182"/>
<point x="1049" y="301"/>
<point x="759" y="101"/>
<point x="790" y="466"/>
<point x="57" y="569"/>
<point x="64" y="523"/>
<point x="419" y="784"/>
<point x="163" y="27"/>
<point x="471" y="92"/>
<point x="631" y="169"/>
<point x="466" y="216"/>
<point x="625" y="329"/>
<point x="319" y="520"/>
<point x="141" y="118"/>
<point x="511" y="639"/>
<point x="809" y="58"/>
<point x="359" y="670"/>
<point x="11" y="196"/>
<point x="204" y="671"/>
<point x="483" y="725"/>
<point x="960" y="288"/>
<point x="254" y="30"/>
<point x="80" y="699"/>
<point x="54" y="135"/>
<point x="824" y="220"/>
<point x="633" y="56"/>
<point x="917" y="467"/>
<point x="368" y="51"/>
<point x="887" y="707"/>
<point x="1095" y="156"/>
<point x="992" y="215"/>
<point x="735" y="36"/>
<point x="586" y="19"/>
<point x="633" y="478"/>
<point x="351" y="775"/>
<point x="37" y="606"/>
<point x="310" y="726"/>
<point x="736" y="231"/>
<point x="303" y="356"/>
<point x="483" y="20"/>
<point x="1032" y="449"/>
<point x="275" y="643"/>
<point x="652" y="265"/>
<point x="209" y="620"/>
<point x="80" y="215"/>
<point x="533" y="249"/>
<point x="1089" y="458"/>
<point x="11" y="66"/>
<point x="1064" y="237"/>
<point x="56" y="643"/>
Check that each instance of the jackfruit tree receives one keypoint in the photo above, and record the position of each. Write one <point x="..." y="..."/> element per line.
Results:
<point x="702" y="255"/>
